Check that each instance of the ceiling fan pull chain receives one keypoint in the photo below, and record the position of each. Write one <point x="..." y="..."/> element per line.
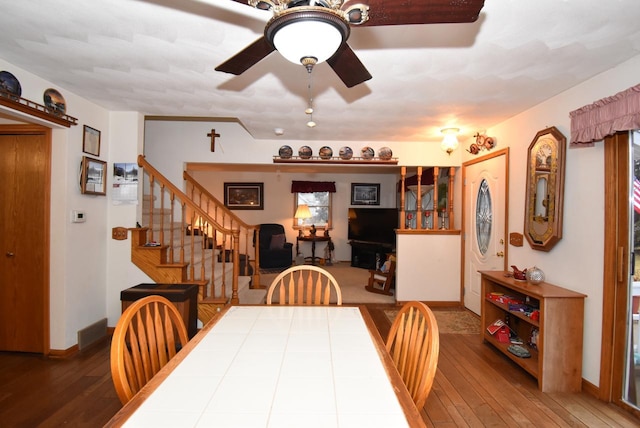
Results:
<point x="309" y="66"/>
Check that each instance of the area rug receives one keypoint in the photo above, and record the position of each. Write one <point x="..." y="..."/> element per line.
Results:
<point x="449" y="322"/>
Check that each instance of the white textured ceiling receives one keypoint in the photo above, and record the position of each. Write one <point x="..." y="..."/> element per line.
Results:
<point x="158" y="57"/>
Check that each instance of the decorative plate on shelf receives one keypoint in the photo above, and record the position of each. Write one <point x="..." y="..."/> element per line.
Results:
<point x="367" y="152"/>
<point x="325" y="152"/>
<point x="346" y="153"/>
<point x="10" y="84"/>
<point x="385" y="153"/>
<point x="285" y="152"/>
<point x="305" y="152"/>
<point x="54" y="102"/>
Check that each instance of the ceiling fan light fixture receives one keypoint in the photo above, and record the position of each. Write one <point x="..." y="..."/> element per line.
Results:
<point x="307" y="32"/>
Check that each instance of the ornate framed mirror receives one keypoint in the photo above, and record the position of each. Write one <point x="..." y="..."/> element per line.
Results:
<point x="544" y="197"/>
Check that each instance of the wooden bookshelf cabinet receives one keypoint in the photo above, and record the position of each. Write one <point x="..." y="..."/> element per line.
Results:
<point x="557" y="361"/>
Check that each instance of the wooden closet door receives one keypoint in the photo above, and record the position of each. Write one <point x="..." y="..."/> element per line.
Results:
<point x="24" y="240"/>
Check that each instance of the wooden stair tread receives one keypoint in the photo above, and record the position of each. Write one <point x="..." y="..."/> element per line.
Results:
<point x="172" y="265"/>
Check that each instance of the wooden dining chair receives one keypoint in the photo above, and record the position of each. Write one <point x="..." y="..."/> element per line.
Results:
<point x="414" y="344"/>
<point x="149" y="333"/>
<point x="304" y="285"/>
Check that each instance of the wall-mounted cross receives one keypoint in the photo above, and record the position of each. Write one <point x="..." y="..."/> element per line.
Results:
<point x="213" y="136"/>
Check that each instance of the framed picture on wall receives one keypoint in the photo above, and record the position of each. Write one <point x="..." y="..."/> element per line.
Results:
<point x="244" y="196"/>
<point x="93" y="178"/>
<point x="365" y="193"/>
<point x="91" y="141"/>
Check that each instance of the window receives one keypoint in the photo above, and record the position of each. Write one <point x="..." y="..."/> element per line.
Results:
<point x="484" y="217"/>
<point x="320" y="206"/>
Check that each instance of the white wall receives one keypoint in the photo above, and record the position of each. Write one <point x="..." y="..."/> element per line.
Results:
<point x="576" y="262"/>
<point x="127" y="128"/>
<point x="431" y="268"/>
<point x="78" y="267"/>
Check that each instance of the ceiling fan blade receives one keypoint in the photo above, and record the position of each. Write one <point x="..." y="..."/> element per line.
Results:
<point x="247" y="58"/>
<point x="245" y="2"/>
<point x="348" y="67"/>
<point x="403" y="12"/>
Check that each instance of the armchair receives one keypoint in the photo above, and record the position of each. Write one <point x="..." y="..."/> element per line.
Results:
<point x="274" y="251"/>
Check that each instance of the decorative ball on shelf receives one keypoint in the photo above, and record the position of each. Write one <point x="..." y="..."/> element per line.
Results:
<point x="535" y="275"/>
<point x="325" y="152"/>
<point x="285" y="152"/>
<point x="367" y="152"/>
<point x="10" y="84"/>
<point x="346" y="153"/>
<point x="385" y="153"/>
<point x="305" y="152"/>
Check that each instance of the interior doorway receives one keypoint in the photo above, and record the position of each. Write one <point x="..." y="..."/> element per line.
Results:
<point x="25" y="162"/>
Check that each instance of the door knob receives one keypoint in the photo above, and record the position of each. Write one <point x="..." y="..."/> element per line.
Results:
<point x="500" y="254"/>
<point x="10" y="254"/>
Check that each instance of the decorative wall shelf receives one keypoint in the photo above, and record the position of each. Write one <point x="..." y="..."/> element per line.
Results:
<point x="34" y="109"/>
<point x="335" y="160"/>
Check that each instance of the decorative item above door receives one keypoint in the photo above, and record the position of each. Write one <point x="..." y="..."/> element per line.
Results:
<point x="544" y="197"/>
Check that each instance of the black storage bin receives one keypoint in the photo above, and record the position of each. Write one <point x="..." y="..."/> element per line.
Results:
<point x="183" y="296"/>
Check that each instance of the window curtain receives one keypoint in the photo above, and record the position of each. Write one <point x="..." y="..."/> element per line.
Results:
<point x="426" y="179"/>
<point x="313" y="186"/>
<point x="607" y="116"/>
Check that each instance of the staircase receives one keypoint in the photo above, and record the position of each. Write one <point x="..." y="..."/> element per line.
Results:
<point x="191" y="238"/>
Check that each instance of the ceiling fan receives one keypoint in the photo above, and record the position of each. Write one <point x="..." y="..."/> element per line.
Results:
<point x="313" y="31"/>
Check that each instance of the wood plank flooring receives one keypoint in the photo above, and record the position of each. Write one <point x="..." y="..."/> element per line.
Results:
<point x="475" y="386"/>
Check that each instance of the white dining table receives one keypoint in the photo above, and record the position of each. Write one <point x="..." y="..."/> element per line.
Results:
<point x="278" y="366"/>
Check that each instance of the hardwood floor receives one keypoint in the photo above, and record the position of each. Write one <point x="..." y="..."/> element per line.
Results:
<point x="475" y="386"/>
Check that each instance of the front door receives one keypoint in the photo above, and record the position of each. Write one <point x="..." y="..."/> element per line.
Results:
<point x="24" y="238"/>
<point x="485" y="219"/>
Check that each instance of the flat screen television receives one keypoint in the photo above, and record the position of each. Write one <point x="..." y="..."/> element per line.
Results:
<point x="373" y="225"/>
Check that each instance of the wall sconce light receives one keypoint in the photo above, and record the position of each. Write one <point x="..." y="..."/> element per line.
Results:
<point x="450" y="140"/>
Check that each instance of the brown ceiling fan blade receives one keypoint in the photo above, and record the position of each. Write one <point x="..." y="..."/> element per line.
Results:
<point x="245" y="2"/>
<point x="402" y="12"/>
<point x="348" y="67"/>
<point x="247" y="58"/>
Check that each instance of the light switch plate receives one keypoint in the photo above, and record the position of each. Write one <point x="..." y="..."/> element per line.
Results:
<point x="78" y="216"/>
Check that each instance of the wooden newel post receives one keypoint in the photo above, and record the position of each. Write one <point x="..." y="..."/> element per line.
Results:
<point x="236" y="267"/>
<point x="436" y="216"/>
<point x="403" y="173"/>
<point x="419" y="200"/>
<point x="452" y="173"/>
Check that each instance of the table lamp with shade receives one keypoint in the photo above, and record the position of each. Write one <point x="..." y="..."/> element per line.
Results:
<point x="302" y="213"/>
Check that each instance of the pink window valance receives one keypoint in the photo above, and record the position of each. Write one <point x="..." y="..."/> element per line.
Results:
<point x="313" y="186"/>
<point x="593" y="122"/>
